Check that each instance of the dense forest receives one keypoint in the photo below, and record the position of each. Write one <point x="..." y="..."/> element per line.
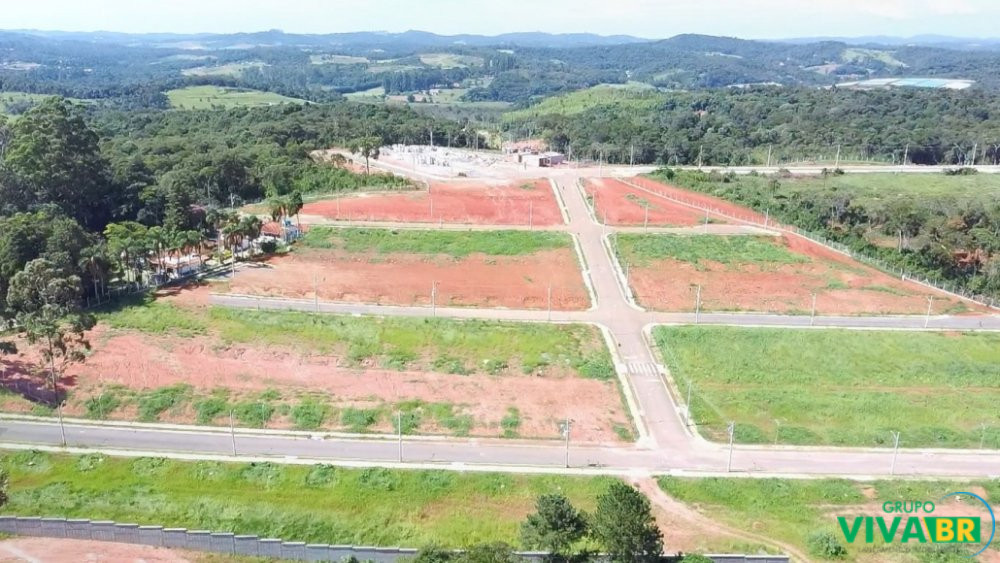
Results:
<point x="95" y="196"/>
<point x="133" y="71"/>
<point x="943" y="228"/>
<point x="742" y="126"/>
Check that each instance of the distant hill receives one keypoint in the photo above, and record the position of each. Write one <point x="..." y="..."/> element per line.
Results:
<point x="412" y="38"/>
<point x="943" y="41"/>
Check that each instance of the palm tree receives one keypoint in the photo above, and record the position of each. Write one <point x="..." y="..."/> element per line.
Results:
<point x="295" y="204"/>
<point x="250" y="227"/>
<point x="94" y="259"/>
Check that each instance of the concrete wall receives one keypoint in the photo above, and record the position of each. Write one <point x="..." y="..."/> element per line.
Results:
<point x="201" y="540"/>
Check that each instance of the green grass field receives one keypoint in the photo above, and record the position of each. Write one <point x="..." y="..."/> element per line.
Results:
<point x="791" y="510"/>
<point x="330" y="59"/>
<point x="641" y="98"/>
<point x="231" y="69"/>
<point x="882" y="186"/>
<point x="642" y="249"/>
<point x="451" y="243"/>
<point x="207" y="97"/>
<point x="839" y="387"/>
<point x="401" y="343"/>
<point x="450" y="60"/>
<point x="316" y="504"/>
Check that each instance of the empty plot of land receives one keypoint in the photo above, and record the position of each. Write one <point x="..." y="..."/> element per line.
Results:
<point x="206" y="97"/>
<point x="765" y="274"/>
<point x="180" y="363"/>
<point x="616" y="203"/>
<point x="531" y="202"/>
<point x="510" y="269"/>
<point x="840" y="387"/>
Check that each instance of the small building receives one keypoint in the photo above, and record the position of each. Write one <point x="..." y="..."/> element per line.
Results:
<point x="285" y="230"/>
<point x="542" y="160"/>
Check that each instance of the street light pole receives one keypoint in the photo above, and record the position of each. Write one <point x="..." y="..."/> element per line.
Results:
<point x="232" y="430"/>
<point x="895" y="452"/>
<point x="399" y="433"/>
<point x="812" y="316"/>
<point x="697" y="306"/>
<point x="566" y="433"/>
<point x="927" y="319"/>
<point x="732" y="431"/>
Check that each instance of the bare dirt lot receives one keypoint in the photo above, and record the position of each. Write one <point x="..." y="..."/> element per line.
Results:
<point x="842" y="286"/>
<point x="522" y="203"/>
<point x="622" y="205"/>
<point x="49" y="550"/>
<point x="520" y="282"/>
<point x="698" y="199"/>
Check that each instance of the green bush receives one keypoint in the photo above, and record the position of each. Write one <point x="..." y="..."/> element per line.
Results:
<point x="211" y="408"/>
<point x="596" y="367"/>
<point x="379" y="479"/>
<point x="100" y="406"/>
<point x="309" y="414"/>
<point x="154" y="403"/>
<point x="826" y="546"/>
<point x="321" y="475"/>
<point x="494" y="366"/>
<point x="254" y="414"/>
<point x="511" y="422"/>
<point x="359" y="420"/>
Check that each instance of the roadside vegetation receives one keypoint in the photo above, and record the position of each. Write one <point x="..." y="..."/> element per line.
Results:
<point x="838" y="387"/>
<point x="803" y="513"/>
<point x="942" y="226"/>
<point x="451" y="243"/>
<point x="642" y="249"/>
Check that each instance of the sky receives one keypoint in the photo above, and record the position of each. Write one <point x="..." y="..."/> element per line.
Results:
<point x="644" y="18"/>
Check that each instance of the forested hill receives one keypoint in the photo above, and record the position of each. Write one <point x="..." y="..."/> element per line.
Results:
<point x="135" y="71"/>
<point x="745" y="126"/>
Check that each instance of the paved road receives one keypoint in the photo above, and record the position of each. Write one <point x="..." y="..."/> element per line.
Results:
<point x="666" y="444"/>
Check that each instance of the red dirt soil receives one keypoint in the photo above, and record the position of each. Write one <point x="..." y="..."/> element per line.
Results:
<point x="51" y="550"/>
<point x="670" y="285"/>
<point x="520" y="282"/>
<point x="622" y="205"/>
<point x="466" y="203"/>
<point x="142" y="361"/>
<point x="699" y="199"/>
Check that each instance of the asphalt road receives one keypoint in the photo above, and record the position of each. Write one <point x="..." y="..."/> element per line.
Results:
<point x="666" y="444"/>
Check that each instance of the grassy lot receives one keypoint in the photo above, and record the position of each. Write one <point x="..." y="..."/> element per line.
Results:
<point x="791" y="510"/>
<point x="452" y="243"/>
<point x="316" y="504"/>
<point x="401" y="343"/>
<point x="231" y="69"/>
<point x="601" y="96"/>
<point x="329" y="59"/>
<point x="878" y="187"/>
<point x="450" y="60"/>
<point x="207" y="97"/>
<point x="841" y="387"/>
<point x="641" y="249"/>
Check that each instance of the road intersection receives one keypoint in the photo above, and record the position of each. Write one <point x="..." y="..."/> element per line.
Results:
<point x="667" y="443"/>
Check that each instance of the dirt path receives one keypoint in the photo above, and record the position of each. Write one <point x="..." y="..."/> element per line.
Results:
<point x="683" y="526"/>
<point x="50" y="550"/>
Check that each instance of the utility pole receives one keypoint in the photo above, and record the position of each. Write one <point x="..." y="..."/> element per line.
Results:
<point x="895" y="452"/>
<point x="232" y="429"/>
<point x="550" y="301"/>
<point x="431" y="130"/>
<point x="769" y="147"/>
<point x="434" y="298"/>
<point x="767" y="217"/>
<point x="732" y="431"/>
<point x="697" y="306"/>
<point x="566" y="428"/>
<point x="701" y="150"/>
<point x="399" y="433"/>
<point x="688" y="403"/>
<point x="927" y="319"/>
<point x="645" y="221"/>
<point x="837" y="162"/>
<point x="315" y="293"/>
<point x="631" y="154"/>
<point x="975" y="151"/>
<point x="812" y="316"/>
<point x="906" y="154"/>
<point x="777" y="431"/>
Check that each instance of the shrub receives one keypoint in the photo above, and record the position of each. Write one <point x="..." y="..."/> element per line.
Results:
<point x="825" y="545"/>
<point x="309" y="414"/>
<point x="269" y="246"/>
<point x="211" y="408"/>
<point x="254" y="414"/>
<point x="511" y="422"/>
<point x="358" y="420"/>
<point x="154" y="403"/>
<point x="100" y="406"/>
<point x="695" y="558"/>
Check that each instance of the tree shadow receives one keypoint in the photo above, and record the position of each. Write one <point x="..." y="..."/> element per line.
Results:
<point x="30" y="382"/>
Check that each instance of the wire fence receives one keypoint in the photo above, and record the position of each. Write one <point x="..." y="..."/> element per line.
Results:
<point x="763" y="220"/>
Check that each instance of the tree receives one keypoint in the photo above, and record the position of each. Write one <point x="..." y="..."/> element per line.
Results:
<point x="554" y="527"/>
<point x="623" y="525"/>
<point x="367" y="147"/>
<point x="46" y="306"/>
<point x="58" y="158"/>
<point x="488" y="553"/>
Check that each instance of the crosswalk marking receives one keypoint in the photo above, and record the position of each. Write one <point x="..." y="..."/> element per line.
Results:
<point x="646" y="369"/>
